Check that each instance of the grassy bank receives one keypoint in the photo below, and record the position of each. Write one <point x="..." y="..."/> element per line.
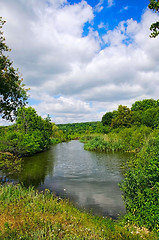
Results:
<point x="121" y="139"/>
<point x="141" y="184"/>
<point x="26" y="214"/>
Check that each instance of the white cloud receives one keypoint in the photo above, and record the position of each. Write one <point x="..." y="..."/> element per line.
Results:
<point x="102" y="25"/>
<point x="65" y="109"/>
<point x="4" y="122"/>
<point x="99" y="7"/>
<point x="57" y="60"/>
<point x="110" y="3"/>
<point x="124" y="9"/>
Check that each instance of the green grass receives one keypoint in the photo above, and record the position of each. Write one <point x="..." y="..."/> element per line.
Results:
<point x="124" y="139"/>
<point x="27" y="214"/>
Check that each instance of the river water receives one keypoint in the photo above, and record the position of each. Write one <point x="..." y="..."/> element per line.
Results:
<point x="89" y="179"/>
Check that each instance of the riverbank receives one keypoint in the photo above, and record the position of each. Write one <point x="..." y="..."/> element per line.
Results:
<point x="140" y="186"/>
<point x="121" y="139"/>
<point x="27" y="214"/>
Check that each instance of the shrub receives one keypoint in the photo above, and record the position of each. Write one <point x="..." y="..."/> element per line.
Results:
<point x="141" y="187"/>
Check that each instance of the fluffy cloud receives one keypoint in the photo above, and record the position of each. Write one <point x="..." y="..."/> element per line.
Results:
<point x="62" y="109"/>
<point x="4" y="122"/>
<point x="76" y="76"/>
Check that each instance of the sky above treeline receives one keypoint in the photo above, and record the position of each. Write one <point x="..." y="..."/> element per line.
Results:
<point x="82" y="58"/>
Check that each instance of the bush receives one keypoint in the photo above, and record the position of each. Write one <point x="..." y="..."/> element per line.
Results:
<point x="125" y="139"/>
<point x="141" y="187"/>
<point x="29" y="135"/>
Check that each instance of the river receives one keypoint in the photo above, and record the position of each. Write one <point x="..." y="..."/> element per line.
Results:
<point x="89" y="179"/>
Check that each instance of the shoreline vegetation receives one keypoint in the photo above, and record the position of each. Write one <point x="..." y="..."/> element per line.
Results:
<point x="55" y="218"/>
<point x="130" y="130"/>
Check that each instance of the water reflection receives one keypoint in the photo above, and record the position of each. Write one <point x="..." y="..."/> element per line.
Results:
<point x="89" y="179"/>
<point x="36" y="168"/>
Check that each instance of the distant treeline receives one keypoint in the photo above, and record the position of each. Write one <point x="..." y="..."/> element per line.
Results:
<point x="142" y="113"/>
<point x="71" y="129"/>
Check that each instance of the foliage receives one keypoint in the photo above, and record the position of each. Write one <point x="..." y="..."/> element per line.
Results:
<point x="12" y="92"/>
<point x="29" y="135"/>
<point x="154" y="5"/>
<point x="121" y="139"/>
<point x="57" y="135"/>
<point x="134" y="138"/>
<point x="107" y="118"/>
<point x="145" y="112"/>
<point x="76" y="130"/>
<point x="54" y="218"/>
<point x="150" y="117"/>
<point x="86" y="138"/>
<point x="141" y="187"/>
<point x="144" y="104"/>
<point x="123" y="118"/>
<point x="99" y="144"/>
<point x="9" y="163"/>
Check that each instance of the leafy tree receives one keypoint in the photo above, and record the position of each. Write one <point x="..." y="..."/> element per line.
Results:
<point x="123" y="118"/>
<point x="12" y="92"/>
<point x="150" y="117"/>
<point x="107" y="118"/>
<point x="146" y="112"/>
<point x="34" y="128"/>
<point x="154" y="5"/>
<point x="144" y="104"/>
<point x="137" y="118"/>
<point x="30" y="133"/>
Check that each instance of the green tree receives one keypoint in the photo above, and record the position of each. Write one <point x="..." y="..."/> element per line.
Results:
<point x="32" y="133"/>
<point x="123" y="118"/>
<point x="12" y="92"/>
<point x="137" y="118"/>
<point x="154" y="5"/>
<point x="144" y="104"/>
<point x="150" y="117"/>
<point x="107" y="118"/>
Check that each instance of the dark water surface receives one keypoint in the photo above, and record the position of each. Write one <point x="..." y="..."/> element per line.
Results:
<point x="89" y="179"/>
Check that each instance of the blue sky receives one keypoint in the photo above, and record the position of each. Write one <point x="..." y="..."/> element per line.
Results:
<point x="82" y="58"/>
<point x="115" y="11"/>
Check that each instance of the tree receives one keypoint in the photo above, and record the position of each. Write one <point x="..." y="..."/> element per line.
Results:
<point x="107" y="118"/>
<point x="12" y="92"/>
<point x="150" y="117"/>
<point x="144" y="104"/>
<point x="123" y="118"/>
<point x="154" y="5"/>
<point x="33" y="133"/>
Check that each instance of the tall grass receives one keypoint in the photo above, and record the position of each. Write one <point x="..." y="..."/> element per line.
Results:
<point x="126" y="139"/>
<point x="27" y="214"/>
